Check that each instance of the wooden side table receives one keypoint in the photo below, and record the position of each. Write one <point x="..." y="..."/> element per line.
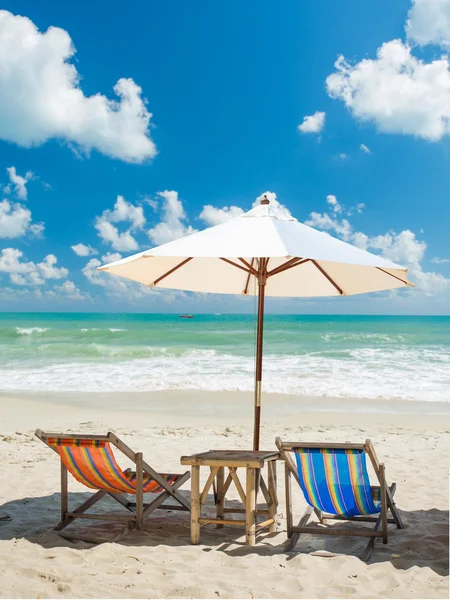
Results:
<point x="219" y="460"/>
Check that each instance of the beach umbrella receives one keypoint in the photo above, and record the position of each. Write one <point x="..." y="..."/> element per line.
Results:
<point x="264" y="252"/>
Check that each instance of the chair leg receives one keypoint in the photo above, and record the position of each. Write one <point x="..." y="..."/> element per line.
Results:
<point x="139" y="491"/>
<point x="64" y="492"/>
<point x="295" y="535"/>
<point x="383" y="493"/>
<point x="158" y="502"/>
<point x="81" y="509"/>
<point x="288" y="493"/>
<point x="393" y="507"/>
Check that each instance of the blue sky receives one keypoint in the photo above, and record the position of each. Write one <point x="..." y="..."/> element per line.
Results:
<point x="227" y="86"/>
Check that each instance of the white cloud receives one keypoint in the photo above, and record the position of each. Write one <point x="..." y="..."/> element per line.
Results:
<point x="20" y="272"/>
<point x="49" y="270"/>
<point x="70" y="291"/>
<point x="18" y="183"/>
<point x="11" y="262"/>
<point x="334" y="204"/>
<point x="313" y="123"/>
<point x="111" y="257"/>
<point x="215" y="216"/>
<point x="403" y="248"/>
<point x="119" y="241"/>
<point x="123" y="212"/>
<point x="272" y="197"/>
<point x="14" y="219"/>
<point x="396" y="91"/>
<point x="343" y="156"/>
<point x="440" y="261"/>
<point x="36" y="229"/>
<point x="429" y="23"/>
<point x="83" y="250"/>
<point x="113" y="286"/>
<point x="23" y="272"/>
<point x="365" y="149"/>
<point x="32" y="278"/>
<point x="173" y="224"/>
<point x="41" y="97"/>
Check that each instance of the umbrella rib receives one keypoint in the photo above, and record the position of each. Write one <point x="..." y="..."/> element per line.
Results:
<point x="394" y="276"/>
<point x="181" y="264"/>
<point x="290" y="264"/>
<point x="248" y="279"/>
<point x="230" y="262"/>
<point x="249" y="266"/>
<point x="325" y="274"/>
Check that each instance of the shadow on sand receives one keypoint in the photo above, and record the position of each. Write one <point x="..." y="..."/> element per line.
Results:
<point x="423" y="543"/>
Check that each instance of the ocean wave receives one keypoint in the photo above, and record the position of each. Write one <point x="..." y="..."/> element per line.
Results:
<point x="383" y="374"/>
<point x="30" y="330"/>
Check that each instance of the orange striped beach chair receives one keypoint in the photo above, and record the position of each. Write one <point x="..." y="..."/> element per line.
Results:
<point x="336" y="486"/>
<point x="90" y="460"/>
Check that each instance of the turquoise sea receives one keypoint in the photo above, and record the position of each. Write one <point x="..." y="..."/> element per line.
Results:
<point x="356" y="356"/>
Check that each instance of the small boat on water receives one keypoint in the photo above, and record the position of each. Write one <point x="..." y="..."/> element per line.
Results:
<point x="186" y="316"/>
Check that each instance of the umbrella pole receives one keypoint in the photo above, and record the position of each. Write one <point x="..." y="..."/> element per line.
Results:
<point x="259" y="351"/>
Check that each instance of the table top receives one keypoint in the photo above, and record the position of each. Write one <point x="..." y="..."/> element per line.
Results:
<point x="231" y="458"/>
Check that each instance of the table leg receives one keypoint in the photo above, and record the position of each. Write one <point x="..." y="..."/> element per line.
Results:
<point x="220" y="503"/>
<point x="272" y="485"/>
<point x="250" y="509"/>
<point x="195" y="504"/>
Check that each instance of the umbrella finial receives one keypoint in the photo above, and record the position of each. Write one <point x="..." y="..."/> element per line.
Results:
<point x="265" y="200"/>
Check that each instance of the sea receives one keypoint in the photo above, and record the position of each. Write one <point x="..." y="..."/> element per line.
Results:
<point x="372" y="357"/>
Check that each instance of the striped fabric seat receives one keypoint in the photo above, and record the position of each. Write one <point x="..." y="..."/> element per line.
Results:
<point x="92" y="463"/>
<point x="336" y="481"/>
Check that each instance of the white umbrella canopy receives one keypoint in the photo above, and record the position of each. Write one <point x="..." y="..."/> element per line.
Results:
<point x="266" y="252"/>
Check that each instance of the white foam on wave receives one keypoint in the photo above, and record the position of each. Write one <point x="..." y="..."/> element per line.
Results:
<point x="30" y="330"/>
<point x="115" y="330"/>
<point x="407" y="373"/>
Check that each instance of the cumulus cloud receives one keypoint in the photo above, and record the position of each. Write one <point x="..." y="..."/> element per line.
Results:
<point x="123" y="212"/>
<point x="272" y="197"/>
<point x="364" y="149"/>
<point x="70" y="291"/>
<point x="397" y="91"/>
<point x="402" y="248"/>
<point x="429" y="23"/>
<point x="49" y="270"/>
<point x="111" y="257"/>
<point x="24" y="272"/>
<point x="334" y="204"/>
<point x="173" y="224"/>
<point x="14" y="219"/>
<point x="83" y="250"/>
<point x="440" y="261"/>
<point x="42" y="99"/>
<point x="313" y="123"/>
<point x="113" y="286"/>
<point x="17" y="183"/>
<point x="215" y="216"/>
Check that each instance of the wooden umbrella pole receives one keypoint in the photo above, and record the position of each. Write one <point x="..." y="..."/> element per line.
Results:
<point x="262" y="278"/>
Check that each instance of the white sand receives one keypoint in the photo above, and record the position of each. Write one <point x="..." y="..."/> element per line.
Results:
<point x="411" y="438"/>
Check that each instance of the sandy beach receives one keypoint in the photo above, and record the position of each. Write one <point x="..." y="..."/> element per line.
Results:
<point x="412" y="439"/>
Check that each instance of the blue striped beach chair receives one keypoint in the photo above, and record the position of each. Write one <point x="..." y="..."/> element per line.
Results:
<point x="91" y="461"/>
<point x="336" y="486"/>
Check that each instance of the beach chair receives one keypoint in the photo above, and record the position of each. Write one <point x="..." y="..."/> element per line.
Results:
<point x="336" y="486"/>
<point x="90" y="459"/>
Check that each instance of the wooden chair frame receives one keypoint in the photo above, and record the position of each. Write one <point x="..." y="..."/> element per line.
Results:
<point x="386" y="493"/>
<point x="139" y="509"/>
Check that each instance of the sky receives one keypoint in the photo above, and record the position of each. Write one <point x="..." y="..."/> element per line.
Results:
<point x="126" y="126"/>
